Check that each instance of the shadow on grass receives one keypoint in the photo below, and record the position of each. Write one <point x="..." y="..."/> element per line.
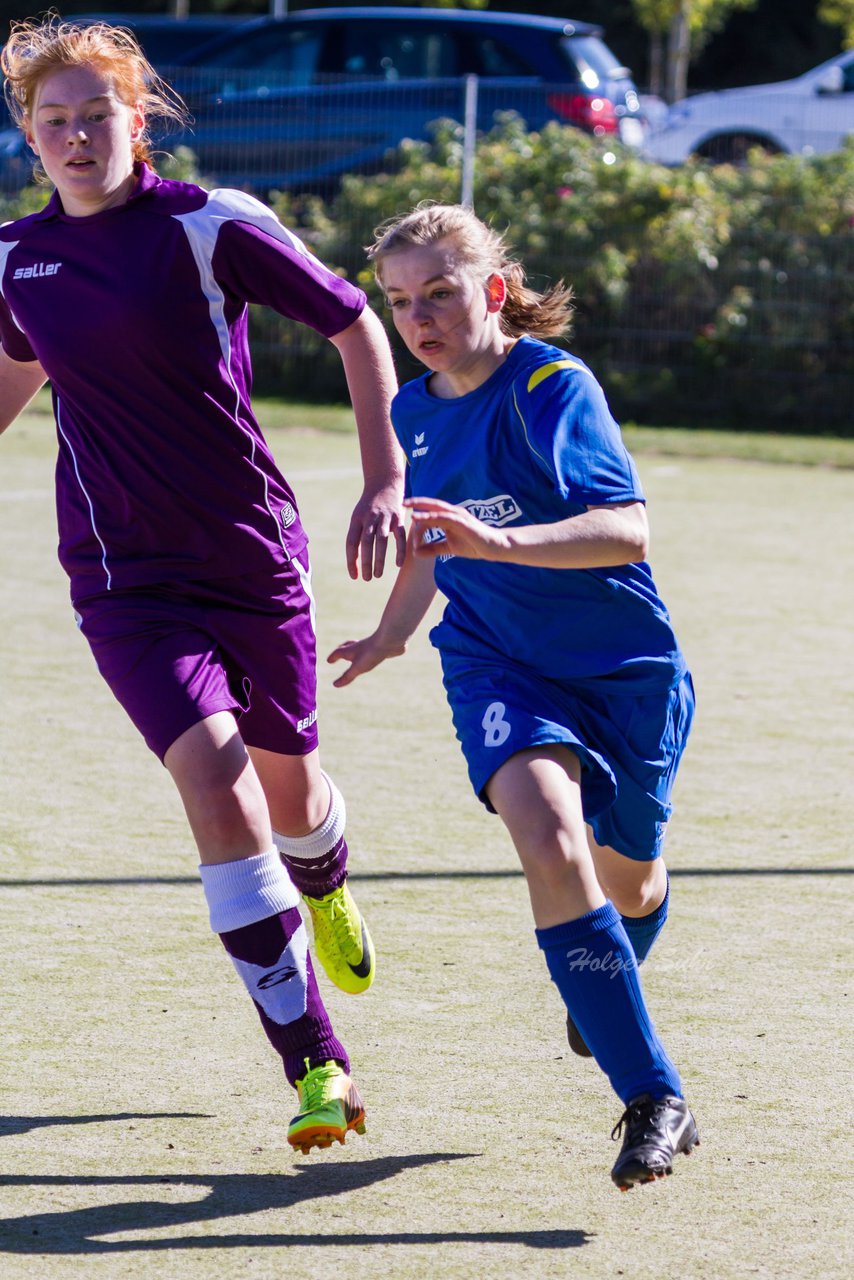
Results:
<point x="503" y="873"/>
<point x="78" y="1231"/>
<point x="11" y="1126"/>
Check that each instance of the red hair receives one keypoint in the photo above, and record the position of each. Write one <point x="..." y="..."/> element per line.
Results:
<point x="35" y="49"/>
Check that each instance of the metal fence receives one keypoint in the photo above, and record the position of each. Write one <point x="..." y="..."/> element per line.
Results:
<point x="763" y="336"/>
<point x="760" y="335"/>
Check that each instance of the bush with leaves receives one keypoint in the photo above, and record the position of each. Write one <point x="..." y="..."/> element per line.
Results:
<point x="702" y="292"/>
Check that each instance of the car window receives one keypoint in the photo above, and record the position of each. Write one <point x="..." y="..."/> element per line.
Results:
<point x="293" y="51"/>
<point x="166" y="41"/>
<point x="167" y="46"/>
<point x="393" y="52"/>
<point x="593" y="61"/>
<point x="848" y="77"/>
<point x="493" y="58"/>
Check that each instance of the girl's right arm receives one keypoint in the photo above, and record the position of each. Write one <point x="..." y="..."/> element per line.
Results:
<point x="19" y="382"/>
<point x="411" y="597"/>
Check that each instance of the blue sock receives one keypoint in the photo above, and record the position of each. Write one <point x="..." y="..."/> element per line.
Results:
<point x="592" y="964"/>
<point x="643" y="930"/>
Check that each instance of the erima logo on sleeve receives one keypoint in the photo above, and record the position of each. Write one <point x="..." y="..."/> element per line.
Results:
<point x="36" y="270"/>
<point x="421" y="446"/>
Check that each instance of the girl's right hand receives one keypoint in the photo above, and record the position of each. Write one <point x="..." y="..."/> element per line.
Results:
<point x="363" y="656"/>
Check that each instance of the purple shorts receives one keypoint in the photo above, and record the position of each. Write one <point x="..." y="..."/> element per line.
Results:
<point x="174" y="655"/>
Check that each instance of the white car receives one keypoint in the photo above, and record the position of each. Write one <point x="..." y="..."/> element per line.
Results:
<point x="809" y="114"/>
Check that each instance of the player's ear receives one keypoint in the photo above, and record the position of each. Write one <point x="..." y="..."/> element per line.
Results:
<point x="30" y="139"/>
<point x="496" y="290"/>
<point x="137" y="124"/>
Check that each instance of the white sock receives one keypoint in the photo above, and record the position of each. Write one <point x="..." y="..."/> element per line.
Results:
<point x="246" y="890"/>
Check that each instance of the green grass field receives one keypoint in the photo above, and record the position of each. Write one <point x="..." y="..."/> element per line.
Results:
<point x="143" y="1114"/>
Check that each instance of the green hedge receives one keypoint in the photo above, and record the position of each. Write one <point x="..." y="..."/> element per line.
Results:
<point x="704" y="295"/>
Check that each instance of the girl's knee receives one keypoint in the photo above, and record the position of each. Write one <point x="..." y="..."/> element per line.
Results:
<point x="636" y="889"/>
<point x="553" y="855"/>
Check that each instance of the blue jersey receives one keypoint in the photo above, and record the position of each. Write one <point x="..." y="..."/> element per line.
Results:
<point x="534" y="444"/>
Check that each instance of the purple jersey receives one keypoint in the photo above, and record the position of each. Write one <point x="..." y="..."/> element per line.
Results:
<point x="138" y="316"/>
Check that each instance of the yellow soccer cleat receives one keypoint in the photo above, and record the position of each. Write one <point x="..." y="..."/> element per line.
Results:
<point x="330" y="1106"/>
<point x="341" y="940"/>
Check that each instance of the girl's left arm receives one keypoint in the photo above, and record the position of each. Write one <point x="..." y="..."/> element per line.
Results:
<point x="600" y="537"/>
<point x="372" y="383"/>
<point x="19" y="382"/>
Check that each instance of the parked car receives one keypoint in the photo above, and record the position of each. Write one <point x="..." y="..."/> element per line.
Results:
<point x="810" y="114"/>
<point x="303" y="99"/>
<point x="16" y="160"/>
<point x="299" y="101"/>
<point x="168" y="42"/>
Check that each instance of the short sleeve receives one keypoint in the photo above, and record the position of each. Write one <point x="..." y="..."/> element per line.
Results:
<point x="258" y="260"/>
<point x="573" y="436"/>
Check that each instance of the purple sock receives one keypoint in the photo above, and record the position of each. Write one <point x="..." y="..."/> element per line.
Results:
<point x="318" y="876"/>
<point x="272" y="958"/>
<point x="253" y="906"/>
<point x="317" y="863"/>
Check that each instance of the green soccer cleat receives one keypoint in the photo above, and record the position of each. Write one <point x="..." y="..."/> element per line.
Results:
<point x="341" y="940"/>
<point x="330" y="1106"/>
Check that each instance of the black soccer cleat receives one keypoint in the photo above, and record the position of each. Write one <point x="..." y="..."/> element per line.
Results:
<point x="656" y="1130"/>
<point x="576" y="1040"/>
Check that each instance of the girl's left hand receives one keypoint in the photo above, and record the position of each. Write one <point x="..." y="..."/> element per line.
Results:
<point x="465" y="535"/>
<point x="376" y="518"/>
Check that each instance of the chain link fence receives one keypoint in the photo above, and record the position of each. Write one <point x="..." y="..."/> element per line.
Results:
<point x="705" y="294"/>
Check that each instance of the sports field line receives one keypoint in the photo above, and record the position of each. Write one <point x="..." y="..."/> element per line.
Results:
<point x="186" y="881"/>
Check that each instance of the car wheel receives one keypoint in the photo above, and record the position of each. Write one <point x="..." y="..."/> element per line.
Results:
<point x="734" y="148"/>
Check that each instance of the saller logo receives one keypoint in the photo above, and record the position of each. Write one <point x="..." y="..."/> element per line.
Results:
<point x="37" y="269"/>
<point x="495" y="511"/>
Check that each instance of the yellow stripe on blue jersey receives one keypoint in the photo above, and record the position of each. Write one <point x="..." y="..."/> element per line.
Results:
<point x="545" y="371"/>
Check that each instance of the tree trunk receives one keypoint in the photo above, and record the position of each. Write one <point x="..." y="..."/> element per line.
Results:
<point x="656" y="64"/>
<point x="678" y="54"/>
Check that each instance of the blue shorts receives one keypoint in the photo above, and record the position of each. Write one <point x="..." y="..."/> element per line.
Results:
<point x="629" y="745"/>
<point x="174" y="655"/>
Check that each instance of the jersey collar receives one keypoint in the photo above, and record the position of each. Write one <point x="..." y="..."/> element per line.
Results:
<point x="146" y="182"/>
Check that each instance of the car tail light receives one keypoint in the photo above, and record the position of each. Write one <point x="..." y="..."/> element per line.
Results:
<point x="596" y="115"/>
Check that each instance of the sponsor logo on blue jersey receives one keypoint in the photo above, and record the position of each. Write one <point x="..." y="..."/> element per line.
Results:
<point x="495" y="511"/>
